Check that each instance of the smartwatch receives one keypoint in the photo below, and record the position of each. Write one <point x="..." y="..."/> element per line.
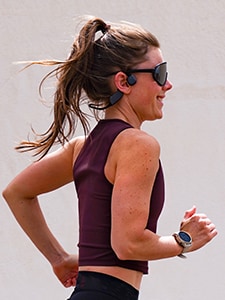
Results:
<point x="184" y="240"/>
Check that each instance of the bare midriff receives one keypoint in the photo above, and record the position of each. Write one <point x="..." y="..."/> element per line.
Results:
<point x="131" y="277"/>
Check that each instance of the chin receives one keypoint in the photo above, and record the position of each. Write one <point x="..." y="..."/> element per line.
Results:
<point x="154" y="117"/>
<point x="158" y="117"/>
<point x="161" y="116"/>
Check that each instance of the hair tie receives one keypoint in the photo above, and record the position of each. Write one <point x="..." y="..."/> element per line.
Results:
<point x="106" y="28"/>
<point x="103" y="28"/>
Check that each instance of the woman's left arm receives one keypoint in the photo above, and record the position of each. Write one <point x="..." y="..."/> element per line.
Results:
<point x="48" y="174"/>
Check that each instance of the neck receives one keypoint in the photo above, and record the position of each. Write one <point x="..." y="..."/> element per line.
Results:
<point x="116" y="113"/>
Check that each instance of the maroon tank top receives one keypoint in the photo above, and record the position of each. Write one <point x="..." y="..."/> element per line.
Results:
<point x="94" y="194"/>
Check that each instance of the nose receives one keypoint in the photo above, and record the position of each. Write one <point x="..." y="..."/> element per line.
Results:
<point x="168" y="86"/>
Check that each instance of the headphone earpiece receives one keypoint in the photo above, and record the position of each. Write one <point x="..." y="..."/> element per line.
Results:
<point x="131" y="79"/>
<point x="115" y="97"/>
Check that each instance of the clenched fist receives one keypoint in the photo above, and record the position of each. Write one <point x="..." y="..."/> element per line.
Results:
<point x="199" y="226"/>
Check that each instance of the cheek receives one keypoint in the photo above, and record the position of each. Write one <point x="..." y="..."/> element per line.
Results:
<point x="150" y="96"/>
<point x="146" y="94"/>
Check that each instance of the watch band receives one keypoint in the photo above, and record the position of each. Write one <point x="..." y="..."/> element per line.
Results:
<point x="184" y="240"/>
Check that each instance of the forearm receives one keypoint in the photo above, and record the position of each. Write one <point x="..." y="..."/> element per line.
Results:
<point x="29" y="215"/>
<point x="148" y="246"/>
<point x="154" y="247"/>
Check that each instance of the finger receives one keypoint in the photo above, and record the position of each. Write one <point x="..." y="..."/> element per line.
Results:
<point x="211" y="227"/>
<point x="214" y="232"/>
<point x="204" y="220"/>
<point x="201" y="216"/>
<point x="189" y="213"/>
<point x="74" y="281"/>
<point x="67" y="283"/>
<point x="70" y="282"/>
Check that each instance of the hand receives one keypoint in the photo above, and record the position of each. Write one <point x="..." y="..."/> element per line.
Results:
<point x="67" y="270"/>
<point x="199" y="226"/>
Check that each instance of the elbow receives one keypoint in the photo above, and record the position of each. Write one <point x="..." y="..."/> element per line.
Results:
<point x="5" y="194"/>
<point x="123" y="250"/>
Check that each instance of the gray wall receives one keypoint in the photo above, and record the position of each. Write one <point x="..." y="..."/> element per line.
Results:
<point x="191" y="135"/>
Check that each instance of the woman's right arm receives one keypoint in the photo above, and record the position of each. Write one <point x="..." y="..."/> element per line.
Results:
<point x="135" y="160"/>
<point x="48" y="174"/>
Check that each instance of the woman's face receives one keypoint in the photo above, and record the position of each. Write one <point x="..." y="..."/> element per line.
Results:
<point x="147" y="95"/>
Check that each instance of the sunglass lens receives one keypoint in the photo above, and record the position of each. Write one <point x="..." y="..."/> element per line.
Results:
<point x="160" y="74"/>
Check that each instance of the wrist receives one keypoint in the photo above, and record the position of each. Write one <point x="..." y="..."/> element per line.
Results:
<point x="184" y="240"/>
<point x="59" y="259"/>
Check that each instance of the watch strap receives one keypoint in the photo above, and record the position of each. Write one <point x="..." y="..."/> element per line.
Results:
<point x="183" y="244"/>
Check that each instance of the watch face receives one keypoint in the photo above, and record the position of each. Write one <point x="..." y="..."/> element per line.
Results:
<point x="185" y="237"/>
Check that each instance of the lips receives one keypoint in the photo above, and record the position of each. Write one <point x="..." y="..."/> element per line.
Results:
<point x="160" y="98"/>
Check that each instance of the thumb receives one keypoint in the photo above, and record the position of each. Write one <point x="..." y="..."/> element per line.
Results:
<point x="189" y="213"/>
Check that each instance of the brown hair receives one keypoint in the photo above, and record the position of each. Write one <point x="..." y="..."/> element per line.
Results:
<point x="84" y="76"/>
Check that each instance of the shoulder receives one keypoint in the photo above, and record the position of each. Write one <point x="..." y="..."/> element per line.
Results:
<point x="68" y="153"/>
<point x="133" y="152"/>
<point x="74" y="146"/>
<point x="134" y="140"/>
<point x="77" y="142"/>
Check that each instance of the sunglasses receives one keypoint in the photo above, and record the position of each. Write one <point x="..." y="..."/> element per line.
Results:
<point x="159" y="73"/>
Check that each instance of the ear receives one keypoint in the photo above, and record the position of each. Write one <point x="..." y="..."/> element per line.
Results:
<point x="122" y="83"/>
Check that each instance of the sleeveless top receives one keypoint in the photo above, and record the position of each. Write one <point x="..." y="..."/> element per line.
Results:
<point x="94" y="199"/>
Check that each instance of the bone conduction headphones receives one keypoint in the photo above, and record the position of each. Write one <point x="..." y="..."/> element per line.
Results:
<point x="131" y="80"/>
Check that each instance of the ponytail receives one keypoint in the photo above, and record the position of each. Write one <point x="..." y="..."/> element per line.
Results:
<point x="71" y="75"/>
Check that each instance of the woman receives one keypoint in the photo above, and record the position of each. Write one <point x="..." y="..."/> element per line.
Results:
<point x="116" y="168"/>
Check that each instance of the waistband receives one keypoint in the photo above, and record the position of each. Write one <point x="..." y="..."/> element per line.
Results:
<point x="104" y="283"/>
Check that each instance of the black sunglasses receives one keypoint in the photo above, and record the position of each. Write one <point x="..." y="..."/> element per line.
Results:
<point x="159" y="73"/>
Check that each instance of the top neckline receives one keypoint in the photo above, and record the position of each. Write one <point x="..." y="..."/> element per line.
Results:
<point x="114" y="120"/>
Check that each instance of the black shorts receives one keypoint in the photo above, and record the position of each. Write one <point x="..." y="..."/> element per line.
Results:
<point x="98" y="286"/>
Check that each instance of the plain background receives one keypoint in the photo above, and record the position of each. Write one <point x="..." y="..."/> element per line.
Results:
<point x="191" y="135"/>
